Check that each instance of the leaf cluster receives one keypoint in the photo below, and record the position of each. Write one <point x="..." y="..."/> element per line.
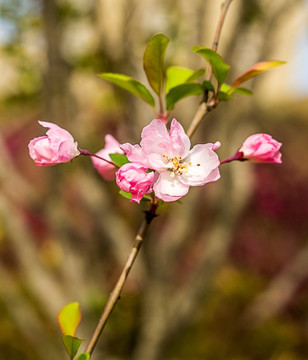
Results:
<point x="178" y="82"/>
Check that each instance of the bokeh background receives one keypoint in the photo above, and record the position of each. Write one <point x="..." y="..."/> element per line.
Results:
<point x="224" y="275"/>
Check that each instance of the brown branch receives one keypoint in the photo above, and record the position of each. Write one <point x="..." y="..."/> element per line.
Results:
<point x="115" y="294"/>
<point x="207" y="104"/>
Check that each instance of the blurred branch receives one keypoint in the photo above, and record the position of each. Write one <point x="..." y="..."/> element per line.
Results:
<point x="203" y="107"/>
<point x="116" y="292"/>
<point x="280" y="290"/>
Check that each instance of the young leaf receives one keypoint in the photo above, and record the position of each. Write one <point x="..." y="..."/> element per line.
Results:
<point x="196" y="75"/>
<point x="83" y="356"/>
<point x="207" y="85"/>
<point x="133" y="86"/>
<point x="71" y="344"/>
<point x="125" y="194"/>
<point x="177" y="75"/>
<point x="219" y="67"/>
<point x="242" y="91"/>
<point x="222" y="96"/>
<point x="119" y="159"/>
<point x="129" y="195"/>
<point x="69" y="318"/>
<point x="153" y="61"/>
<point x="225" y="88"/>
<point x="255" y="70"/>
<point x="181" y="91"/>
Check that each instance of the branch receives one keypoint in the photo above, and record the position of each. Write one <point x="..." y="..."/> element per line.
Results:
<point x="115" y="294"/>
<point x="207" y="104"/>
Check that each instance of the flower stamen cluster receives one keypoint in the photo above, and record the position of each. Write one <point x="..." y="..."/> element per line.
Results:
<point x="178" y="167"/>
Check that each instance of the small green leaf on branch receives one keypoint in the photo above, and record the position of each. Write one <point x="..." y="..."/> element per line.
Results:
<point x="69" y="318"/>
<point x="133" y="86"/>
<point x="219" y="67"/>
<point x="222" y="96"/>
<point x="119" y="159"/>
<point x="71" y="344"/>
<point x="83" y="356"/>
<point x="181" y="91"/>
<point x="207" y="85"/>
<point x="129" y="196"/>
<point x="153" y="61"/>
<point x="255" y="70"/>
<point x="177" y="75"/>
<point x="227" y="89"/>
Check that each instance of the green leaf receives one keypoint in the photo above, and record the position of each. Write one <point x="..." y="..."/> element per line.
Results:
<point x="177" y="75"/>
<point x="219" y="67"/>
<point x="181" y="91"/>
<point x="119" y="159"/>
<point x="71" y="344"/>
<point x="125" y="194"/>
<point x="153" y="61"/>
<point x="83" y="356"/>
<point x="133" y="86"/>
<point x="69" y="318"/>
<point x="207" y="85"/>
<point x="255" y="70"/>
<point x="129" y="196"/>
<point x="222" y="96"/>
<point x="228" y="90"/>
<point x="242" y="91"/>
<point x="196" y="75"/>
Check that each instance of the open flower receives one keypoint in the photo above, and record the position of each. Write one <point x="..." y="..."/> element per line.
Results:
<point x="177" y="168"/>
<point x="261" y="148"/>
<point x="107" y="170"/>
<point x="58" y="146"/>
<point x="133" y="178"/>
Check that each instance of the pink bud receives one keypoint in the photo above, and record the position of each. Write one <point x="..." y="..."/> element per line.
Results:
<point x="261" y="148"/>
<point x="133" y="178"/>
<point x="107" y="170"/>
<point x="58" y="146"/>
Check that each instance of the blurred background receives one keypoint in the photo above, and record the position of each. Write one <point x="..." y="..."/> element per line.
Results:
<point x="224" y="275"/>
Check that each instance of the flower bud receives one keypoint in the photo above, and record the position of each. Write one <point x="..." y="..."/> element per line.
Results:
<point x="133" y="178"/>
<point x="261" y="148"/>
<point x="58" y="146"/>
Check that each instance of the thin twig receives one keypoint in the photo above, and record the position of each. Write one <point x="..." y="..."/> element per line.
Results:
<point x="115" y="294"/>
<point x="88" y="153"/>
<point x="204" y="106"/>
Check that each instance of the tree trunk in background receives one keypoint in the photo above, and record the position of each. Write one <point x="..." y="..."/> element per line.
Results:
<point x="56" y="89"/>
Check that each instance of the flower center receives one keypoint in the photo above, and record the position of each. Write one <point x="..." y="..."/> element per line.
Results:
<point x="179" y="167"/>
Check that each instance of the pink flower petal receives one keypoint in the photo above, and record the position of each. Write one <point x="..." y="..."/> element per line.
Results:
<point x="180" y="141"/>
<point x="156" y="139"/>
<point x="203" y="161"/>
<point x="169" y="188"/>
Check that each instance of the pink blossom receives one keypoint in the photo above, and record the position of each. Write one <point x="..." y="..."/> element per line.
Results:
<point x="58" y="146"/>
<point x="261" y="148"/>
<point x="107" y="170"/>
<point x="133" y="178"/>
<point x="177" y="168"/>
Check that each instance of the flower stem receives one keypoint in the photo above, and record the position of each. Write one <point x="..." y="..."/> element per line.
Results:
<point x="115" y="294"/>
<point x="88" y="153"/>
<point x="237" y="156"/>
